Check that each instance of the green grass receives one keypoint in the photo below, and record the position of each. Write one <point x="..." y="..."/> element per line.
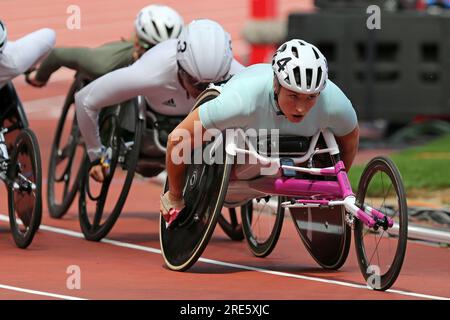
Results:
<point x="422" y="168"/>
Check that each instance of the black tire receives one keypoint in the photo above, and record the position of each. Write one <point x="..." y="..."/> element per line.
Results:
<point x="252" y="213"/>
<point x="329" y="241"/>
<point x="92" y="208"/>
<point x="68" y="156"/>
<point x="204" y="193"/>
<point x="228" y="221"/>
<point x="231" y="225"/>
<point x="25" y="204"/>
<point x="396" y="208"/>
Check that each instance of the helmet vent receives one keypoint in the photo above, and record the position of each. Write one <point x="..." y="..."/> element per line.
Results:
<point x="169" y="31"/>
<point x="295" y="52"/>
<point x="287" y="80"/>
<point x="309" y="72"/>
<point x="297" y="77"/>
<point x="156" y="28"/>
<point x="283" y="48"/>
<point x="319" y="76"/>
<point x="316" y="53"/>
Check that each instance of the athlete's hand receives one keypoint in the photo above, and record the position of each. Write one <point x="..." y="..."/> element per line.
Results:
<point x="170" y="207"/>
<point x="99" y="170"/>
<point x="30" y="78"/>
<point x="98" y="173"/>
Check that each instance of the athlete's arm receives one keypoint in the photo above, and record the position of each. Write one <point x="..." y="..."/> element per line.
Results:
<point x="182" y="138"/>
<point x="110" y="89"/>
<point x="27" y="51"/>
<point x="348" y="145"/>
<point x="61" y="57"/>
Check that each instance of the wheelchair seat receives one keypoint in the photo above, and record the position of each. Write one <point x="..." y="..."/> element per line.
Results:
<point x="152" y="154"/>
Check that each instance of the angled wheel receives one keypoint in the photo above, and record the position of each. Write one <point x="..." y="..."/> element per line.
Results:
<point x="204" y="191"/>
<point x="229" y="218"/>
<point x="66" y="158"/>
<point x="24" y="188"/>
<point x="324" y="231"/>
<point x="262" y="221"/>
<point x="381" y="250"/>
<point x="230" y="224"/>
<point x="99" y="204"/>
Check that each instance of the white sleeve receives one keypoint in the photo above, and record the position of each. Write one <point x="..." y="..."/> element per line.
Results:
<point x="235" y="67"/>
<point x="113" y="88"/>
<point x="29" y="50"/>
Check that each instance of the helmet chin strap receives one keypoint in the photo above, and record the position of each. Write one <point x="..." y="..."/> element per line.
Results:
<point x="276" y="91"/>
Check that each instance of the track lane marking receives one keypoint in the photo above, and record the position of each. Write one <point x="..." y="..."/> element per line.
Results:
<point x="40" y="293"/>
<point x="79" y="235"/>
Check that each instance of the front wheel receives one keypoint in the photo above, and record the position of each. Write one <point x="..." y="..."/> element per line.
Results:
<point x="230" y="224"/>
<point x="381" y="250"/>
<point x="66" y="158"/>
<point x="24" y="188"/>
<point x="262" y="222"/>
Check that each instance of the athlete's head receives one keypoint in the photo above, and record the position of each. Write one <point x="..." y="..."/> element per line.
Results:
<point x="301" y="72"/>
<point x="156" y="23"/>
<point x="3" y="36"/>
<point x="204" y="55"/>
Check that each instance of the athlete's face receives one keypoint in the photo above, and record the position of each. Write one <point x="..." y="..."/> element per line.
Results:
<point x="140" y="47"/>
<point x="295" y="105"/>
<point x="192" y="86"/>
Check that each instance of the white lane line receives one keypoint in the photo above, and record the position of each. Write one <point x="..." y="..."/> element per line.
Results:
<point x="235" y="266"/>
<point x="39" y="293"/>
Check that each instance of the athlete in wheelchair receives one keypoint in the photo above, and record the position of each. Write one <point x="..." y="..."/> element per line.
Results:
<point x="153" y="24"/>
<point x="133" y="137"/>
<point x="20" y="162"/>
<point x="277" y="137"/>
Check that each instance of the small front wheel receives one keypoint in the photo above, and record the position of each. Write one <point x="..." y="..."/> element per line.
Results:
<point x="230" y="224"/>
<point x="381" y="249"/>
<point x="262" y="222"/>
<point x="24" y="188"/>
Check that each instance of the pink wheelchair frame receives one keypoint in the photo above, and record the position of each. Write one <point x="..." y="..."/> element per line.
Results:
<point x="312" y="193"/>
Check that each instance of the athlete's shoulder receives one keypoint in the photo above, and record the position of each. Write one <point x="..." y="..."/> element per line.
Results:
<point x="256" y="71"/>
<point x="251" y="78"/>
<point x="164" y="49"/>
<point x="334" y="97"/>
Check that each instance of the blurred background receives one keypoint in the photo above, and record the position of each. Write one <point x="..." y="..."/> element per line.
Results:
<point x="390" y="57"/>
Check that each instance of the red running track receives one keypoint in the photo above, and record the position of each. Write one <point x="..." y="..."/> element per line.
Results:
<point x="128" y="265"/>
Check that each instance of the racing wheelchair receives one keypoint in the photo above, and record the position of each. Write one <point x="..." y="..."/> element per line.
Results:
<point x="305" y="176"/>
<point x="136" y="137"/>
<point x="20" y="168"/>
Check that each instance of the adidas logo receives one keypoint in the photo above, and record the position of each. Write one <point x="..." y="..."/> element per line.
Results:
<point x="170" y="103"/>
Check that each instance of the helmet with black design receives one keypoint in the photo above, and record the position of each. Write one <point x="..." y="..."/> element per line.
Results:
<point x="299" y="66"/>
<point x="157" y="23"/>
<point x="3" y="36"/>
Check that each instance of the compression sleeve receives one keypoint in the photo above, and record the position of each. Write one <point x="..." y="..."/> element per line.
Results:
<point x="61" y="57"/>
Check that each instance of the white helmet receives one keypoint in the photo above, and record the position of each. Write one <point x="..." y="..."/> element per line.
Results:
<point x="300" y="67"/>
<point x="204" y="51"/>
<point x="3" y="36"/>
<point x="157" y="23"/>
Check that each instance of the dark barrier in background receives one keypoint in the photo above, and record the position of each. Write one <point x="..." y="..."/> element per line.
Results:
<point x="395" y="73"/>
